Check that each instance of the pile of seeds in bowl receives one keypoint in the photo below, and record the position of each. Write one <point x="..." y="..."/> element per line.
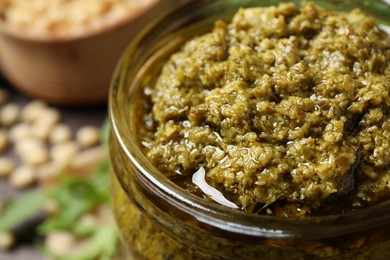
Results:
<point x="35" y="144"/>
<point x="66" y="17"/>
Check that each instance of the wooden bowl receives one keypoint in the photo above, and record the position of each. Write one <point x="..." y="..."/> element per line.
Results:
<point x="71" y="71"/>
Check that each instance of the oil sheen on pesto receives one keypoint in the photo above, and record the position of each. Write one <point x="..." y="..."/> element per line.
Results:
<point x="285" y="109"/>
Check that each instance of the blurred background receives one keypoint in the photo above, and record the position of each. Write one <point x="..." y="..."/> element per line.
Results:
<point x="57" y="58"/>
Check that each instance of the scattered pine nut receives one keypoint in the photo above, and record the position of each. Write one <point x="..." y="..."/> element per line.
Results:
<point x="19" y="132"/>
<point x="88" y="136"/>
<point x="59" y="242"/>
<point x="32" y="151"/>
<point x="28" y="145"/>
<point x="41" y="130"/>
<point x="35" y="157"/>
<point x="43" y="125"/>
<point x="32" y="111"/>
<point x="88" y="220"/>
<point x="64" y="243"/>
<point x="60" y="133"/>
<point x="49" y="117"/>
<point x="7" y="240"/>
<point x="9" y="114"/>
<point x="23" y="177"/>
<point x="7" y="165"/>
<point x="63" y="153"/>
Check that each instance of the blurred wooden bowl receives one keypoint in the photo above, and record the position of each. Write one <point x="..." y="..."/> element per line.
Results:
<point x="71" y="71"/>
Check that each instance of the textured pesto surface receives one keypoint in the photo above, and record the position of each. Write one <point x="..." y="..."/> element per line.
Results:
<point x="285" y="108"/>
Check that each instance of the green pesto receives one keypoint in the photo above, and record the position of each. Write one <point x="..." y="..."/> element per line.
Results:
<point x="286" y="108"/>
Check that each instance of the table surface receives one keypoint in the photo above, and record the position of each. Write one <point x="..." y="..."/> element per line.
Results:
<point x="73" y="116"/>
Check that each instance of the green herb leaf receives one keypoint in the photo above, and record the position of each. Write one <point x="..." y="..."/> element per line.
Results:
<point x="75" y="197"/>
<point x="20" y="209"/>
<point x="103" y="244"/>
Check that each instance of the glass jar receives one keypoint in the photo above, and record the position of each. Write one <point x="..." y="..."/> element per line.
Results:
<point x="160" y="220"/>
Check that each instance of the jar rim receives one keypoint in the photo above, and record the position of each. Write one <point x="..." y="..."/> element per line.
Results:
<point x="218" y="216"/>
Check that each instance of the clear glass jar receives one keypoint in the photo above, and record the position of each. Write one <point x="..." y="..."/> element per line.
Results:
<point x="160" y="220"/>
